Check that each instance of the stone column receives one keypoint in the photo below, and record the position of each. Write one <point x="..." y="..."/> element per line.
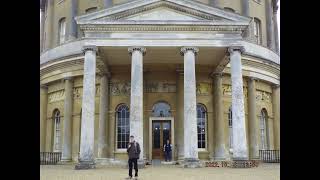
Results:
<point x="136" y="98"/>
<point x="190" y="108"/>
<point x="42" y="16"/>
<point x="270" y="27"/>
<point x="246" y="12"/>
<point x="275" y="24"/>
<point x="214" y="3"/>
<point x="49" y="32"/>
<point x="179" y="127"/>
<point x="67" y="123"/>
<point x="43" y="116"/>
<point x="245" y="7"/>
<point x="103" y="116"/>
<point x="220" y="144"/>
<point x="73" y="29"/>
<point x="107" y="3"/>
<point x="276" y="115"/>
<point x="253" y="126"/>
<point x="240" y="150"/>
<point x="86" y="160"/>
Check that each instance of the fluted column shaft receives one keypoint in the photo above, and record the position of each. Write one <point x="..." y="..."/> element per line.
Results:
<point x="67" y="122"/>
<point x="276" y="111"/>
<point x="136" y="97"/>
<point x="43" y="116"/>
<point x="42" y="16"/>
<point x="253" y="126"/>
<point x="190" y="104"/>
<point x="73" y="30"/>
<point x="180" y="120"/>
<point x="270" y="26"/>
<point x="240" y="150"/>
<point x="107" y="3"/>
<point x="275" y="24"/>
<point x="220" y="144"/>
<point x="86" y="159"/>
<point x="49" y="32"/>
<point x="103" y="116"/>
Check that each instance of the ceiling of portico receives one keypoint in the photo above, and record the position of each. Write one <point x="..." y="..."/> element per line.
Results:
<point x="161" y="55"/>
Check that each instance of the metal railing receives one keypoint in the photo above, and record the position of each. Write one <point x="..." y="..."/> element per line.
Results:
<point x="49" y="158"/>
<point x="270" y="156"/>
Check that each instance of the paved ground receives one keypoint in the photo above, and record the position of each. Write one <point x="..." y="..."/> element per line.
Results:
<point x="168" y="172"/>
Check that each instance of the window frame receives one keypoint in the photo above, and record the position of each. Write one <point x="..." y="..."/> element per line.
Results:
<point x="264" y="139"/>
<point x="62" y="39"/>
<point x="205" y="128"/>
<point x="117" y="120"/>
<point x="257" y="30"/>
<point x="56" y="116"/>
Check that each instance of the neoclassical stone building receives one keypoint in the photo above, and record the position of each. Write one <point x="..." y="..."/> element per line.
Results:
<point x="204" y="74"/>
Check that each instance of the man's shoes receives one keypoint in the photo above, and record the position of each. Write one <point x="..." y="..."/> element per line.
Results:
<point x="129" y="177"/>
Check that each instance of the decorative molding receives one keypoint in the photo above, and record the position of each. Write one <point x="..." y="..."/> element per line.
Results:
<point x="263" y="96"/>
<point x="89" y="48"/>
<point x="137" y="48"/>
<point x="236" y="48"/>
<point x="160" y="87"/>
<point x="227" y="90"/>
<point x="120" y="88"/>
<point x="156" y="26"/>
<point x="204" y="88"/>
<point x="183" y="50"/>
<point x="56" y="96"/>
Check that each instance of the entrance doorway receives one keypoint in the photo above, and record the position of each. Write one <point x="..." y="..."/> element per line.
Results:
<point x="160" y="129"/>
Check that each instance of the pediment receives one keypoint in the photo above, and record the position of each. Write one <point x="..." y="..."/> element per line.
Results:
<point x="162" y="12"/>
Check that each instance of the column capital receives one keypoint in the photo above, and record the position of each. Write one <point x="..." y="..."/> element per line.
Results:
<point x="70" y="78"/>
<point x="137" y="48"/>
<point x="217" y="74"/>
<point x="275" y="6"/>
<point x="252" y="79"/>
<point x="183" y="50"/>
<point x="89" y="48"/>
<point x="43" y="86"/>
<point x="275" y="86"/>
<point x="236" y="48"/>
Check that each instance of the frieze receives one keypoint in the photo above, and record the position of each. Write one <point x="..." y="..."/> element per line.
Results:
<point x="227" y="90"/>
<point x="56" y="96"/>
<point x="158" y="87"/>
<point x="204" y="88"/>
<point x="77" y="92"/>
<point x="120" y="88"/>
<point x="263" y="96"/>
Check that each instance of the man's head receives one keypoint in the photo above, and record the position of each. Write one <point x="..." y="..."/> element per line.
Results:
<point x="131" y="138"/>
<point x="168" y="141"/>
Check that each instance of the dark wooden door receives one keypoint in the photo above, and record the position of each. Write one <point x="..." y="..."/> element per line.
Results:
<point x="161" y="131"/>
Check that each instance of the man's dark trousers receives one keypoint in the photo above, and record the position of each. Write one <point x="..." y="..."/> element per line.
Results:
<point x="135" y="163"/>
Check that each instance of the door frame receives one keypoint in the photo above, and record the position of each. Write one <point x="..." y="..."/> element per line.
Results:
<point x="151" y="119"/>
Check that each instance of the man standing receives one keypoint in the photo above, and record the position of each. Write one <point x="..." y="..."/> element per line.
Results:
<point x="167" y="148"/>
<point x="134" y="154"/>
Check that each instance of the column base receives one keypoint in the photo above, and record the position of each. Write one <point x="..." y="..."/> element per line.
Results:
<point x="191" y="163"/>
<point x="85" y="165"/>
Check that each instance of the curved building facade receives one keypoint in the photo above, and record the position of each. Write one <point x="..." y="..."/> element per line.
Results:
<point x="203" y="74"/>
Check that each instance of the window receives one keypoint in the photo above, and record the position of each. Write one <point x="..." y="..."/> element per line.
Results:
<point x="230" y="128"/>
<point x="57" y="131"/>
<point x="229" y="9"/>
<point x="161" y="109"/>
<point x="123" y="126"/>
<point x="201" y="125"/>
<point x="62" y="30"/>
<point x="90" y="10"/>
<point x="257" y="30"/>
<point x="263" y="129"/>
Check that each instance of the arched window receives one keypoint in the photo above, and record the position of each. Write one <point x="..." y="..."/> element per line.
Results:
<point x="264" y="129"/>
<point x="161" y="109"/>
<point x="230" y="128"/>
<point x="229" y="9"/>
<point x="123" y="126"/>
<point x="257" y="30"/>
<point x="62" y="30"/>
<point x="90" y="10"/>
<point x="57" y="131"/>
<point x="201" y="125"/>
